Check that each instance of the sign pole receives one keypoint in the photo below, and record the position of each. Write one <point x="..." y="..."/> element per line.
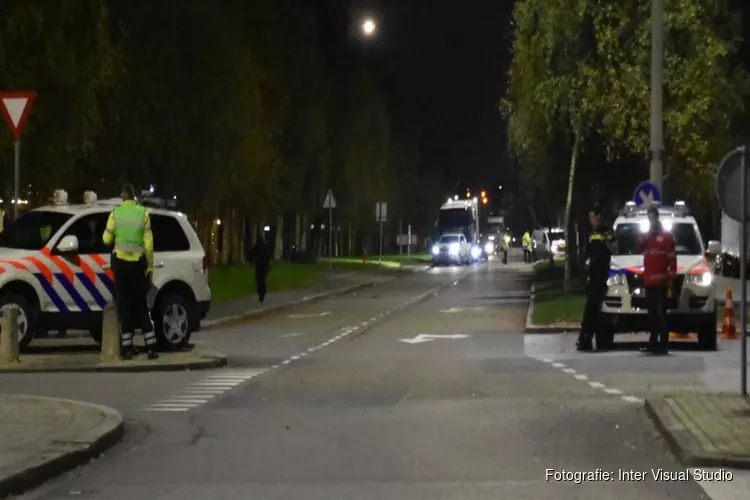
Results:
<point x="16" y="179"/>
<point x="409" y="241"/>
<point x="380" y="259"/>
<point x="743" y="270"/>
<point x="330" y="239"/>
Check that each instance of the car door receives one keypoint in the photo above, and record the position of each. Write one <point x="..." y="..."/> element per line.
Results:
<point x="85" y="274"/>
<point x="172" y="258"/>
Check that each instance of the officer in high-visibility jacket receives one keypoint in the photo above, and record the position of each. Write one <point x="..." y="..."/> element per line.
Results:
<point x="506" y="247"/>
<point x="527" y="244"/>
<point x="129" y="228"/>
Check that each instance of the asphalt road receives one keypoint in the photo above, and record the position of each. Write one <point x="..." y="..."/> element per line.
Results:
<point x="317" y="410"/>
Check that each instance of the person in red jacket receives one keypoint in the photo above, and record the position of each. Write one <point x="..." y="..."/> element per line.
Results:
<point x="659" y="269"/>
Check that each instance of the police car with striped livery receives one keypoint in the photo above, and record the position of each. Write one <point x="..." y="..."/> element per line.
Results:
<point x="55" y="268"/>
<point x="692" y="306"/>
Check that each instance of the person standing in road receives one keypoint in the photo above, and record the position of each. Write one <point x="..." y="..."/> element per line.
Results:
<point x="506" y="247"/>
<point x="659" y="270"/>
<point x="129" y="229"/>
<point x="526" y="240"/>
<point x="260" y="257"/>
<point x="601" y="247"/>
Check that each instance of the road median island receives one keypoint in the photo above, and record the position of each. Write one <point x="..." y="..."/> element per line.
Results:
<point x="551" y="308"/>
<point x="704" y="429"/>
<point x="82" y="355"/>
<point x="42" y="438"/>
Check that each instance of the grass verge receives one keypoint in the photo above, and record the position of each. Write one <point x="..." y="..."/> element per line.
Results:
<point x="552" y="304"/>
<point x="238" y="281"/>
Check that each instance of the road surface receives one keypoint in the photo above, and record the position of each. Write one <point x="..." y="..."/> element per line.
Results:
<point x="448" y="400"/>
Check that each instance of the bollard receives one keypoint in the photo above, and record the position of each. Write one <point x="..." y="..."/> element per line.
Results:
<point x="110" y="335"/>
<point x="9" y="336"/>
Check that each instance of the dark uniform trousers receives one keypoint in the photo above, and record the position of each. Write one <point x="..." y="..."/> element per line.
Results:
<point x="656" y="301"/>
<point x="131" y="284"/>
<point x="592" y="312"/>
<point x="261" y="275"/>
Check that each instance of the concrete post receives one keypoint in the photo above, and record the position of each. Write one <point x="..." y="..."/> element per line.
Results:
<point x="110" y="335"/>
<point x="9" y="337"/>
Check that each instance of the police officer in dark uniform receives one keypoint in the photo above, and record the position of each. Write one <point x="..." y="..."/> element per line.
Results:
<point x="601" y="247"/>
<point x="260" y="257"/>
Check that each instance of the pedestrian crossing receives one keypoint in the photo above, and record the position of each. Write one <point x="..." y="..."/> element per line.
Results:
<point x="203" y="391"/>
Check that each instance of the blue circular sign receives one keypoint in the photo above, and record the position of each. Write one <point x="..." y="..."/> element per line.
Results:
<point x="646" y="193"/>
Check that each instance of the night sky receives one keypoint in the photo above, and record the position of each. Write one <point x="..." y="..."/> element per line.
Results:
<point x="443" y="66"/>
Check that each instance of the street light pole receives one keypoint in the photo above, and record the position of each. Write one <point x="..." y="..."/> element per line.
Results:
<point x="657" y="87"/>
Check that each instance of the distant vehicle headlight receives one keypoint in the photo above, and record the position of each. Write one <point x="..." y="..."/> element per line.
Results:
<point x="476" y="252"/>
<point x="435" y="250"/>
<point x="703" y="279"/>
<point x="453" y="249"/>
<point x="489" y="247"/>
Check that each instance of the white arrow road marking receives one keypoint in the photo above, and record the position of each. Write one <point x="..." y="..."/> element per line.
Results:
<point x="421" y="338"/>
<point x="311" y="315"/>
<point x="462" y="309"/>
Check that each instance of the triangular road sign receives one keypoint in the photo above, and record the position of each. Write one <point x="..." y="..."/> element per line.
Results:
<point x="15" y="107"/>
<point x="330" y="201"/>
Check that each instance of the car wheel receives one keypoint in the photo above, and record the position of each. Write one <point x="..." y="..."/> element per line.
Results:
<point x="172" y="321"/>
<point x="26" y="317"/>
<point x="707" y="335"/>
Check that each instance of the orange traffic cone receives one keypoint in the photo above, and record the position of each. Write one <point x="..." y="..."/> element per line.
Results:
<point x="728" y="330"/>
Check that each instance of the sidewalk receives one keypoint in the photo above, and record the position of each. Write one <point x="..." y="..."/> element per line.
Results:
<point x="246" y="307"/>
<point x="704" y="429"/>
<point x="42" y="438"/>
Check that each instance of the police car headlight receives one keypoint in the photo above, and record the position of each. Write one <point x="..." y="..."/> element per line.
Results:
<point x="617" y="279"/>
<point x="475" y="252"/>
<point x="489" y="247"/>
<point x="453" y="249"/>
<point x="435" y="250"/>
<point x="703" y="279"/>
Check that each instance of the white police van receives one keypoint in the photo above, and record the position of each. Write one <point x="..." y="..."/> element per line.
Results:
<point x="692" y="306"/>
<point x="55" y="268"/>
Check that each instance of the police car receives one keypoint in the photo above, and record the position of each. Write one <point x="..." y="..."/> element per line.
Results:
<point x="692" y="307"/>
<point x="55" y="268"/>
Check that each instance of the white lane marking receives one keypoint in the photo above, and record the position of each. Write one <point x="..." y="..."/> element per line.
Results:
<point x="161" y="408"/>
<point x="310" y="315"/>
<point x="546" y="360"/>
<point x="581" y="376"/>
<point x="295" y="358"/>
<point x="632" y="399"/>
<point x="312" y="349"/>
<point x="597" y="385"/>
<point x="569" y="371"/>
<point x="289" y="335"/>
<point x="558" y="365"/>
<point x="614" y="392"/>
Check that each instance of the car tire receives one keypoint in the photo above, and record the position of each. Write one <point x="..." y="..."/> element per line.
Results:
<point x="27" y="316"/>
<point x="172" y="318"/>
<point x="707" y="335"/>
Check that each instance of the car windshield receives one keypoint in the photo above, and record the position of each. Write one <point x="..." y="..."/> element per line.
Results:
<point x="33" y="230"/>
<point x="686" y="238"/>
<point x="449" y="239"/>
<point x="556" y="235"/>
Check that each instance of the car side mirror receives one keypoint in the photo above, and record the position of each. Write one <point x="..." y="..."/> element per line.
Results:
<point x="68" y="244"/>
<point x="714" y="248"/>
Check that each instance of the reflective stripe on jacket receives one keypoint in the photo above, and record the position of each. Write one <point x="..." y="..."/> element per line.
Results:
<point x="659" y="257"/>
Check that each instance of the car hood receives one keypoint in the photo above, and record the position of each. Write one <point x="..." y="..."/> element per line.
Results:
<point x="15" y="254"/>
<point x="634" y="263"/>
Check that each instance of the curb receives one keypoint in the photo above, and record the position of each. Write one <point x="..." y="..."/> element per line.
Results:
<point x="414" y="302"/>
<point x="69" y="455"/>
<point x="682" y="443"/>
<point x="214" y="323"/>
<point x="531" y="328"/>
<point x="207" y="361"/>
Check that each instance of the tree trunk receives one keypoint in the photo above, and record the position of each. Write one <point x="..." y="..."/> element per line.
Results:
<point x="305" y="233"/>
<point x="297" y="232"/>
<point x="568" y="205"/>
<point x="278" y="248"/>
<point x="350" y="245"/>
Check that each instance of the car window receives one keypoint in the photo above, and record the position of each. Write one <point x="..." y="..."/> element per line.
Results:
<point x="168" y="234"/>
<point x="89" y="230"/>
<point x="449" y="239"/>
<point x="33" y="230"/>
<point x="686" y="238"/>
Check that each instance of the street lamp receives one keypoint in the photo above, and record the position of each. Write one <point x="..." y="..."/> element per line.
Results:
<point x="369" y="27"/>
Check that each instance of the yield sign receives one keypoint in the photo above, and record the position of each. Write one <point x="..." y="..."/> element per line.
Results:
<point x="16" y="106"/>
